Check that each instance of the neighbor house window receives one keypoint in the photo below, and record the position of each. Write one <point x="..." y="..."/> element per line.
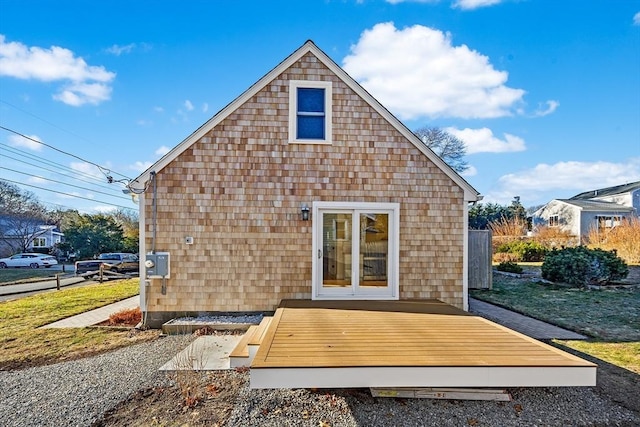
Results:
<point x="39" y="242"/>
<point x="310" y="112"/>
<point x="606" y="222"/>
<point x="554" y="221"/>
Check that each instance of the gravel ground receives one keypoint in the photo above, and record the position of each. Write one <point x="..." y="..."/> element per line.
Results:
<point x="78" y="393"/>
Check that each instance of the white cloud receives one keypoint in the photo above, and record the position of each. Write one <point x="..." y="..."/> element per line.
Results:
<point x="188" y="105"/>
<point x="205" y="107"/>
<point x="636" y="19"/>
<point x="37" y="180"/>
<point x="162" y="150"/>
<point x="78" y="94"/>
<point x="105" y="209"/>
<point x="416" y="72"/>
<point x="88" y="169"/>
<point x="411" y="1"/>
<point x="158" y="109"/>
<point x="470" y="171"/>
<point x="483" y="141"/>
<point x="20" y="141"/>
<point x="546" y="109"/>
<point x="118" y="50"/>
<point x="474" y="4"/>
<point x="140" y="166"/>
<point x="544" y="182"/>
<point x="84" y="83"/>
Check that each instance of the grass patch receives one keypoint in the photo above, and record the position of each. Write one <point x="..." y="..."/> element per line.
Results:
<point x="22" y="344"/>
<point x="10" y="275"/>
<point x="610" y="316"/>
<point x="624" y="354"/>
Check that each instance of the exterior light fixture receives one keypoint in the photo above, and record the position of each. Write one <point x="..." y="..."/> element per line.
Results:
<point x="304" y="212"/>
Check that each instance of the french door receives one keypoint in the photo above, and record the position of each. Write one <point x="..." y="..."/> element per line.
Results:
<point x="355" y="250"/>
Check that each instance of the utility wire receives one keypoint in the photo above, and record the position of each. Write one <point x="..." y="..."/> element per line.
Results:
<point x="104" y="170"/>
<point x="43" y="120"/>
<point x="67" y="194"/>
<point x="63" y="183"/>
<point x="40" y="167"/>
<point x="31" y="156"/>
<point x="67" y="175"/>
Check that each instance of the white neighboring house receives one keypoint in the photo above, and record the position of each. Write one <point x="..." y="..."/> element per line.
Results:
<point x="600" y="209"/>
<point x="38" y="238"/>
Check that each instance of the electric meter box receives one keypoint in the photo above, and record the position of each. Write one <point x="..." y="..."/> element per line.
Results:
<point x="157" y="264"/>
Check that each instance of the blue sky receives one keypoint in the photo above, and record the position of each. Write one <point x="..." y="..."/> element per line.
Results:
<point x="545" y="93"/>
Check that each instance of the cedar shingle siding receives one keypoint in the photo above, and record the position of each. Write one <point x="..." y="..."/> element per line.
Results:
<point x="238" y="192"/>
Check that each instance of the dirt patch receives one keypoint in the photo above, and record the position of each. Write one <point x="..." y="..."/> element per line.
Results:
<point x="217" y="393"/>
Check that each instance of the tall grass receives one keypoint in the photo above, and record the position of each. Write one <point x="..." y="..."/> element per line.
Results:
<point x="508" y="227"/>
<point x="624" y="239"/>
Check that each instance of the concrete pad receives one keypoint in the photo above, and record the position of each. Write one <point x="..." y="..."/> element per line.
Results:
<point x="205" y="353"/>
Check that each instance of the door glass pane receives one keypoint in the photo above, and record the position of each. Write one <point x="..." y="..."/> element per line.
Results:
<point x="336" y="250"/>
<point x="374" y="249"/>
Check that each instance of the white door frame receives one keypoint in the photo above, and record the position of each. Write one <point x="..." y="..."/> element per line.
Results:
<point x="393" y="273"/>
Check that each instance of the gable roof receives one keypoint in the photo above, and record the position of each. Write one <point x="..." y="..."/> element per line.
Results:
<point x="595" y="205"/>
<point x="609" y="191"/>
<point x="470" y="194"/>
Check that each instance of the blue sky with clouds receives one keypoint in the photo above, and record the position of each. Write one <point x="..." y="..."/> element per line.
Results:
<point x="544" y="93"/>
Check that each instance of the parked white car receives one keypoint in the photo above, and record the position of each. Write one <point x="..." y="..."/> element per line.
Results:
<point x="28" y="260"/>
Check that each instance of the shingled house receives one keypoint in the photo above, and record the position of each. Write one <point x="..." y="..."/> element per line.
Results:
<point x="304" y="187"/>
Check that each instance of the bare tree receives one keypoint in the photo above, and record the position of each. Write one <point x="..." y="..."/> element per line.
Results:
<point x="21" y="217"/>
<point x="448" y="147"/>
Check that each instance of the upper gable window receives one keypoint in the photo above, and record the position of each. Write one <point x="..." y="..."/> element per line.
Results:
<point x="310" y="112"/>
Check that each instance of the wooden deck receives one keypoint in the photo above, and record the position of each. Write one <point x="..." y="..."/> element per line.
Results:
<point x="403" y="344"/>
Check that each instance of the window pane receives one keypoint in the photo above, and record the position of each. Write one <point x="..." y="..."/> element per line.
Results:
<point x="374" y="247"/>
<point x="310" y="100"/>
<point x="336" y="250"/>
<point x="310" y="127"/>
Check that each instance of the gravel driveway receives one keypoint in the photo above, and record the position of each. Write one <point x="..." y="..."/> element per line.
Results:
<point x="78" y="393"/>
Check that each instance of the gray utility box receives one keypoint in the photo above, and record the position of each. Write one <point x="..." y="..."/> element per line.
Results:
<point x="157" y="264"/>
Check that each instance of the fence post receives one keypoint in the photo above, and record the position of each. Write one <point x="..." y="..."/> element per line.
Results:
<point x="58" y="281"/>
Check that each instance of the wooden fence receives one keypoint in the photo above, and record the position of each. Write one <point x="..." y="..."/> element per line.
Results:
<point x="480" y="251"/>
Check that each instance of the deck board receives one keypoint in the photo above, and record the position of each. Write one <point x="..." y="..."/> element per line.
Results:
<point x="396" y="334"/>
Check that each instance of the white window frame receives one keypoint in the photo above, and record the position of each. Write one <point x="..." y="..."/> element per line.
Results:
<point x="293" y="110"/>
<point x="39" y="240"/>
<point x="393" y="270"/>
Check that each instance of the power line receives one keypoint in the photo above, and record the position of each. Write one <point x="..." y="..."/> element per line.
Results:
<point x="43" y="120"/>
<point x="103" y="169"/>
<point x="40" y="167"/>
<point x="67" y="194"/>
<point x="32" y="156"/>
<point x="63" y="183"/>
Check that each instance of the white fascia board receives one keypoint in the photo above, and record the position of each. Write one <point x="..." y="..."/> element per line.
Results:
<point x="464" y="376"/>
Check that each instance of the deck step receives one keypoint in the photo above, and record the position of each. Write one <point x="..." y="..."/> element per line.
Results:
<point x="245" y="351"/>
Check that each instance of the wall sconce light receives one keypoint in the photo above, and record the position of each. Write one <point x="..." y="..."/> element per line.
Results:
<point x="304" y="212"/>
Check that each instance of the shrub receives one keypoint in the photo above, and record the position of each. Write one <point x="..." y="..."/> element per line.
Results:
<point x="509" y="267"/>
<point x="625" y="239"/>
<point x="127" y="317"/>
<point x="508" y="227"/>
<point x="581" y="266"/>
<point x="526" y="250"/>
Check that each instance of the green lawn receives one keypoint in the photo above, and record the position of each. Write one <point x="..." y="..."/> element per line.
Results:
<point x="611" y="317"/>
<point x="22" y="344"/>
<point x="9" y="275"/>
